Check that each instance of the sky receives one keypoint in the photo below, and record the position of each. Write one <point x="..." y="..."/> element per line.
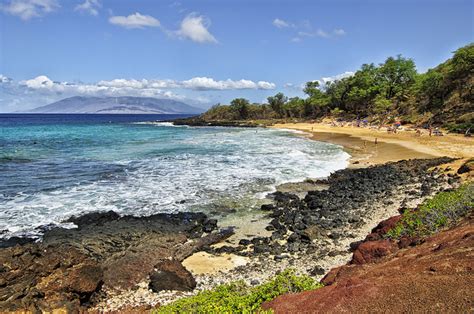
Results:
<point x="211" y="51"/>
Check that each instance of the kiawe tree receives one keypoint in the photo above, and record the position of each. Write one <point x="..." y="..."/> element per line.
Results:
<point x="241" y="107"/>
<point x="277" y="102"/>
<point x="396" y="76"/>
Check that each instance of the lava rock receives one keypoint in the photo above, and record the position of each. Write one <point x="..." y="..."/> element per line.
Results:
<point x="209" y="225"/>
<point x="171" y="275"/>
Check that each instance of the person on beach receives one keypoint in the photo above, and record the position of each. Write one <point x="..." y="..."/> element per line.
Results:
<point x="375" y="141"/>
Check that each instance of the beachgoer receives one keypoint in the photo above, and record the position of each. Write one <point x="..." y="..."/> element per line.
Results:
<point x="375" y="141"/>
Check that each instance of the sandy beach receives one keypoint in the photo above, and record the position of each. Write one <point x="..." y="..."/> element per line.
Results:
<point x="359" y="142"/>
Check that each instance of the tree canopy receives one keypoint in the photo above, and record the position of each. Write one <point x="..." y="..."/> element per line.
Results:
<point x="442" y="95"/>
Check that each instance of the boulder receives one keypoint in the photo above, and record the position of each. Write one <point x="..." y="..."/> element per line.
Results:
<point x="314" y="232"/>
<point x="171" y="275"/>
<point x="382" y="228"/>
<point x="468" y="166"/>
<point x="85" y="279"/>
<point x="371" y="251"/>
<point x="209" y="225"/>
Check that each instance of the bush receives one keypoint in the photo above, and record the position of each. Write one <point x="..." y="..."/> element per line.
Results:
<point x="459" y="127"/>
<point x="441" y="211"/>
<point x="238" y="297"/>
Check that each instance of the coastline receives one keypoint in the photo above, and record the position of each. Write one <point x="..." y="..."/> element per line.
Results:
<point x="313" y="247"/>
<point x="359" y="142"/>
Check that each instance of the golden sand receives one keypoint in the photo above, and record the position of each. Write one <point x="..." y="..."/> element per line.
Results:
<point x="359" y="142"/>
<point x="204" y="263"/>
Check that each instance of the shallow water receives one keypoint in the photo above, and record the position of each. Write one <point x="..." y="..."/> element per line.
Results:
<point x="56" y="166"/>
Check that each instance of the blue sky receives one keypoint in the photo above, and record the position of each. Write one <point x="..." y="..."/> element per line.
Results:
<point x="204" y="52"/>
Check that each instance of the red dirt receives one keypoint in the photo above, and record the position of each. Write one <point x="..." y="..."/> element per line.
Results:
<point x="435" y="276"/>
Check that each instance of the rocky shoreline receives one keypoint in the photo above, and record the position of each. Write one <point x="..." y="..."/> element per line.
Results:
<point x="410" y="274"/>
<point x="199" y="121"/>
<point x="111" y="262"/>
<point x="75" y="268"/>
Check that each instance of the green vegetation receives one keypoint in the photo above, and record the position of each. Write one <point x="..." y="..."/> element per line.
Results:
<point x="237" y="297"/>
<point x="441" y="211"/>
<point x="385" y="92"/>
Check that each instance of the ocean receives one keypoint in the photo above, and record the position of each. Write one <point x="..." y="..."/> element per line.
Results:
<point x="55" y="166"/>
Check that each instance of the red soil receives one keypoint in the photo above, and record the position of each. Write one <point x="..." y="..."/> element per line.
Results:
<point x="435" y="276"/>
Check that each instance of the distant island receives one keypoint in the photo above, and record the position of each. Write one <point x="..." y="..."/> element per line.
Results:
<point x="117" y="105"/>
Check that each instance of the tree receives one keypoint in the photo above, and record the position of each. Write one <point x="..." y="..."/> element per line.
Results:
<point x="276" y="103"/>
<point x="463" y="62"/>
<point x="240" y="107"/>
<point x="431" y="87"/>
<point x="364" y="88"/>
<point x="294" y="107"/>
<point x="396" y="75"/>
<point x="317" y="101"/>
<point x="338" y="91"/>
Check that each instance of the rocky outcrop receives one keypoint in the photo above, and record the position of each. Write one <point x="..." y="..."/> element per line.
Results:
<point x="352" y="198"/>
<point x="382" y="228"/>
<point x="34" y="277"/>
<point x="71" y="268"/>
<point x="434" y="276"/>
<point x="199" y="121"/>
<point x="171" y="275"/>
<point x="371" y="251"/>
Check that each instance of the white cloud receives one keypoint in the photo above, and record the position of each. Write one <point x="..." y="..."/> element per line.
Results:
<point x="339" y="32"/>
<point x="44" y="83"/>
<point x="304" y="29"/>
<point x="42" y="90"/>
<point x="135" y="20"/>
<point x="4" y="79"/>
<point x="41" y="81"/>
<point x="325" y="80"/>
<point x="321" y="33"/>
<point x="322" y="81"/>
<point x="27" y="9"/>
<point x="195" y="27"/>
<point x="279" y="23"/>
<point x="318" y="33"/>
<point x="89" y="6"/>
<point x="206" y="83"/>
<point x="195" y="83"/>
<point x="266" y="85"/>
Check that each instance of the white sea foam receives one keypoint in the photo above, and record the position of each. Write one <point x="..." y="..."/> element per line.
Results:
<point x="204" y="169"/>
<point x="161" y="123"/>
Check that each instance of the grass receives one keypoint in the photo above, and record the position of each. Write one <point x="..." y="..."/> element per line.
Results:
<point x="441" y="211"/>
<point x="238" y="297"/>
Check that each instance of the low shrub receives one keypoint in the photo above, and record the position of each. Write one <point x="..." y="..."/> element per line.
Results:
<point x="441" y="211"/>
<point x="238" y="297"/>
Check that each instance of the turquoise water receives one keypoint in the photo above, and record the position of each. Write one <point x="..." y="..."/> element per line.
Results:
<point x="55" y="169"/>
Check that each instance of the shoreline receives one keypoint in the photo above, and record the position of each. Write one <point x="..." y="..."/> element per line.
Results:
<point x="311" y="244"/>
<point x="359" y="142"/>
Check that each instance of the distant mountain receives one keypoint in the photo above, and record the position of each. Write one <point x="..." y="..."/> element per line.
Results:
<point x="130" y="105"/>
